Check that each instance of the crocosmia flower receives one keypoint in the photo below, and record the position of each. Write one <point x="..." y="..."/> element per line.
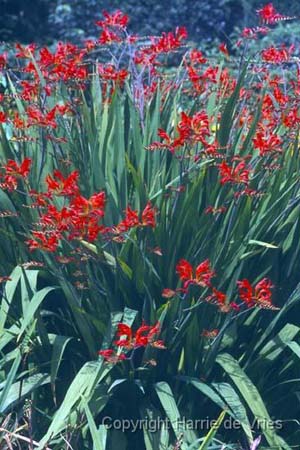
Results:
<point x="258" y="295"/>
<point x="201" y="276"/>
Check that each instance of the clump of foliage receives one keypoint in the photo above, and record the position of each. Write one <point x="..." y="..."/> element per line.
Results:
<point x="149" y="248"/>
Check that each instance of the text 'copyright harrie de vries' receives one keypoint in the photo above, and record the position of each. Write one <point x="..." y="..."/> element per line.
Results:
<point x="153" y="425"/>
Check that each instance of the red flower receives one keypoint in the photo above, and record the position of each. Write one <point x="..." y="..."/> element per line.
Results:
<point x="132" y="219"/>
<point x="169" y="41"/>
<point x="220" y="299"/>
<point x="148" y="216"/>
<point x="13" y="172"/>
<point x="59" y="185"/>
<point x="2" y="117"/>
<point x="196" y="57"/>
<point x="239" y="174"/>
<point x="184" y="269"/>
<point x="223" y="49"/>
<point x="43" y="241"/>
<point x="217" y="296"/>
<point x="83" y="207"/>
<point x="268" y="14"/>
<point x="267" y="142"/>
<point x="36" y="117"/>
<point x="3" y="60"/>
<point x="110" y="356"/>
<point x="259" y="295"/>
<point x="202" y="276"/>
<point x="25" y="52"/>
<point x="22" y="170"/>
<point x="18" y="122"/>
<point x="213" y="210"/>
<point x="145" y="335"/>
<point x="276" y="55"/>
<point x="108" y="36"/>
<point x="117" y="19"/>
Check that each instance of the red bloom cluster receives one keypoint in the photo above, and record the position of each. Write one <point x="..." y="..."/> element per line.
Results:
<point x="59" y="185"/>
<point x="113" y="27"/>
<point x="65" y="64"/>
<point x="3" y="60"/>
<point x="81" y="217"/>
<point x="117" y="19"/>
<point x="190" y="130"/>
<point x="145" y="335"/>
<point x="252" y="33"/>
<point x="236" y="175"/>
<point x="132" y="219"/>
<point x="266" y="142"/>
<point x="166" y="43"/>
<point x="2" y="117"/>
<point x="109" y="72"/>
<point x="269" y="15"/>
<point x="201" y="276"/>
<point x="47" y="241"/>
<point x="259" y="295"/>
<point x="277" y="55"/>
<point x="12" y="172"/>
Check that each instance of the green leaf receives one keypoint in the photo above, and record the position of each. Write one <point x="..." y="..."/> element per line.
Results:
<point x="228" y="114"/>
<point x="167" y="400"/>
<point x="97" y="442"/>
<point x="10" y="288"/>
<point x="33" y="306"/>
<point x="19" y="390"/>
<point x="82" y="386"/>
<point x="237" y="408"/>
<point x="6" y="391"/>
<point x="252" y="397"/>
<point x="59" y="345"/>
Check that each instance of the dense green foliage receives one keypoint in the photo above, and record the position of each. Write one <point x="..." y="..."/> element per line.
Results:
<point x="170" y="169"/>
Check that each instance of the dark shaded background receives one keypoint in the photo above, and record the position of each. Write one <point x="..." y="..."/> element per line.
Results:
<point x="45" y="21"/>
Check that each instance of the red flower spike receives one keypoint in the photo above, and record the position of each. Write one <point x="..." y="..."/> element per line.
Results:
<point x="124" y="329"/>
<point x="22" y="170"/>
<point x="217" y="297"/>
<point x="223" y="49"/>
<point x="184" y="269"/>
<point x="269" y="15"/>
<point x="148" y="216"/>
<point x="110" y="356"/>
<point x="145" y="335"/>
<point x="58" y="185"/>
<point x="277" y="55"/>
<point x="236" y="175"/>
<point x="3" y="60"/>
<point x="13" y="171"/>
<point x="48" y="243"/>
<point x="203" y="273"/>
<point x="259" y="295"/>
<point x="117" y="19"/>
